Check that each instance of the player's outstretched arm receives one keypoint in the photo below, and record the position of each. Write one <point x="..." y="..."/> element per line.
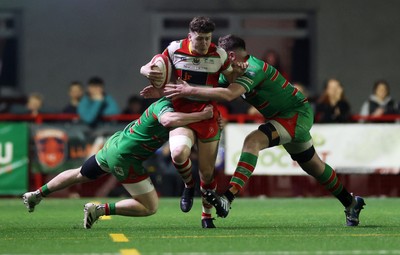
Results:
<point x="182" y="89"/>
<point x="178" y="119"/>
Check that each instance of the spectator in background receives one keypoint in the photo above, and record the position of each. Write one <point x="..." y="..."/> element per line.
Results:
<point x="380" y="102"/>
<point x="135" y="105"/>
<point x="33" y="106"/>
<point x="332" y="106"/>
<point x="96" y="103"/>
<point x="75" y="93"/>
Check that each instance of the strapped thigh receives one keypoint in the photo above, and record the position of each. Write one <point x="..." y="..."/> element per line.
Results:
<point x="301" y="152"/>
<point x="304" y="156"/>
<point x="139" y="188"/>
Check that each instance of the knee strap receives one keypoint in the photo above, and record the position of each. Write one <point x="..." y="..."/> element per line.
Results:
<point x="179" y="140"/>
<point x="304" y="156"/>
<point x="267" y="129"/>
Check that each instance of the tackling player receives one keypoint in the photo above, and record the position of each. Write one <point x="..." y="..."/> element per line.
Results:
<point x="199" y="62"/>
<point x="289" y="119"/>
<point x="122" y="156"/>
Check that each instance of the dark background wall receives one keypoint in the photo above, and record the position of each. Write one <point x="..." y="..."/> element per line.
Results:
<point x="62" y="40"/>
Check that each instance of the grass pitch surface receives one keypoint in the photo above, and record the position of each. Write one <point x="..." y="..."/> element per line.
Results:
<point x="253" y="227"/>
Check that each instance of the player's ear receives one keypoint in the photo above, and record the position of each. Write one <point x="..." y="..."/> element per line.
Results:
<point x="231" y="55"/>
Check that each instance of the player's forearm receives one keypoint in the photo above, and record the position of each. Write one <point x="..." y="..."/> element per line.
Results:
<point x="178" y="119"/>
<point x="217" y="94"/>
<point x="231" y="77"/>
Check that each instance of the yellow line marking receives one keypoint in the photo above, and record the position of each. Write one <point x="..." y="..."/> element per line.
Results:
<point x="129" y="252"/>
<point x="119" y="238"/>
<point x="264" y="236"/>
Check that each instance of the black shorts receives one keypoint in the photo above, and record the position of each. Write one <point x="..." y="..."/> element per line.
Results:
<point x="91" y="169"/>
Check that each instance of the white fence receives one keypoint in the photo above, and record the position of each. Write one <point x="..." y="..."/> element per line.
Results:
<point x="349" y="148"/>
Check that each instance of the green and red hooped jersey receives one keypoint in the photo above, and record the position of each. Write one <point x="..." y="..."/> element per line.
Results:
<point x="267" y="90"/>
<point x="196" y="69"/>
<point x="142" y="137"/>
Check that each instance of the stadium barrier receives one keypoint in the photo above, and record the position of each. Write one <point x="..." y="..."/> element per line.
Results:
<point x="364" y="154"/>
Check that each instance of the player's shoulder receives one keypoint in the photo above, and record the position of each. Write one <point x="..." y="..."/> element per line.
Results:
<point x="175" y="45"/>
<point x="255" y="61"/>
<point x="221" y="52"/>
<point x="256" y="64"/>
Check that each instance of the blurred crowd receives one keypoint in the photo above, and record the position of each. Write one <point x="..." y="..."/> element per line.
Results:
<point x="331" y="106"/>
<point x="93" y="101"/>
<point x="90" y="103"/>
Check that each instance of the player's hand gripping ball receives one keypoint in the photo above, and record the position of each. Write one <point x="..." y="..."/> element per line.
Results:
<point x="161" y="63"/>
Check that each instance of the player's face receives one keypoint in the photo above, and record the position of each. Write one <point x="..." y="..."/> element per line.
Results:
<point x="200" y="42"/>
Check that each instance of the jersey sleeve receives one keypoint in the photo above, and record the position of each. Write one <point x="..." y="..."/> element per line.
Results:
<point x="222" y="81"/>
<point x="163" y="107"/>
<point x="251" y="78"/>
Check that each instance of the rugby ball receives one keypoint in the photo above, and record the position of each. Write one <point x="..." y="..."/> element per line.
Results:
<point x="161" y="63"/>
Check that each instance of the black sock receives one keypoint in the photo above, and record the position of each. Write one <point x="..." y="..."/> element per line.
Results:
<point x="345" y="197"/>
<point x="229" y="195"/>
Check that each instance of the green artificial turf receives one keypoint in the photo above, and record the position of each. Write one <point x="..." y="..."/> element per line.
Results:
<point x="253" y="227"/>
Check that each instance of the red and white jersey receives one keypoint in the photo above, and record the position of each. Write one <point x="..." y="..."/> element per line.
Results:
<point x="196" y="69"/>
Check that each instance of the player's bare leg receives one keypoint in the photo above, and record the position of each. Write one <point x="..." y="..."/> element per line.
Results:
<point x="141" y="205"/>
<point x="144" y="202"/>
<point x="207" y="157"/>
<point x="67" y="179"/>
<point x="181" y="142"/>
<point x="61" y="181"/>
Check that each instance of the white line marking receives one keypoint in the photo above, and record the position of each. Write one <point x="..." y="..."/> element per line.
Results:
<point x="344" y="252"/>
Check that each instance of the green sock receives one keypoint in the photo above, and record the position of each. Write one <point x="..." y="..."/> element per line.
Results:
<point x="329" y="180"/>
<point x="245" y="167"/>
<point x="44" y="190"/>
<point x="110" y="209"/>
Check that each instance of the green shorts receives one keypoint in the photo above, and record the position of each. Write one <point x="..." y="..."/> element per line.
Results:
<point x="126" y="169"/>
<point x="294" y="128"/>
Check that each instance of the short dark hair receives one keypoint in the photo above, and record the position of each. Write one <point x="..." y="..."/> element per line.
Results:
<point x="231" y="42"/>
<point x="96" y="81"/>
<point x="378" y="82"/>
<point x="73" y="83"/>
<point x="201" y="24"/>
